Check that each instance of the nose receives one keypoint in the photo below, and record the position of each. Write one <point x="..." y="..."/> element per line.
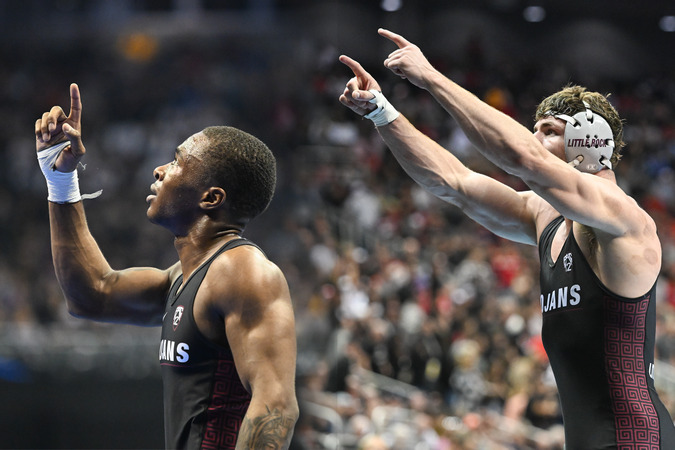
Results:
<point x="158" y="173"/>
<point x="539" y="135"/>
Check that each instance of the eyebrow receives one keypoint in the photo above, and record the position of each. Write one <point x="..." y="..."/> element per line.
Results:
<point x="545" y="124"/>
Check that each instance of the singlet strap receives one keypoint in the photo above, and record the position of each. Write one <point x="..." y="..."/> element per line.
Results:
<point x="234" y="243"/>
<point x="229" y="245"/>
<point x="546" y="238"/>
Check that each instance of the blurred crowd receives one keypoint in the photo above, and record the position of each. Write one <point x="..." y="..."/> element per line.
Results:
<point x="417" y="329"/>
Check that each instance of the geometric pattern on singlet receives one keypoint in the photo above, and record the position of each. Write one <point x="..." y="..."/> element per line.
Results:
<point x="222" y="427"/>
<point x="635" y="418"/>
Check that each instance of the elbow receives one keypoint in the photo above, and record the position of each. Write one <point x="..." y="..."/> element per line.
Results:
<point x="83" y="304"/>
<point x="515" y="163"/>
<point x="80" y="310"/>
<point x="516" y="154"/>
<point x="284" y="406"/>
<point x="528" y="160"/>
<point x="75" y="311"/>
<point x="293" y="410"/>
<point x="444" y="187"/>
<point x="85" y="296"/>
<point x="291" y="413"/>
<point x="288" y="407"/>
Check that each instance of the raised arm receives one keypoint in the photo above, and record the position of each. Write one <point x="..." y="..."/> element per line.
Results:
<point x="494" y="205"/>
<point x="92" y="289"/>
<point x="518" y="151"/>
<point x="260" y="327"/>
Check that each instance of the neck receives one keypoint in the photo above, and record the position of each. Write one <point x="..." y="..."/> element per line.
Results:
<point x="232" y="231"/>
<point x="607" y="174"/>
<point x="196" y="247"/>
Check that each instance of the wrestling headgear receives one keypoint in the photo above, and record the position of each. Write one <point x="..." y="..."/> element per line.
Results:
<point x="589" y="135"/>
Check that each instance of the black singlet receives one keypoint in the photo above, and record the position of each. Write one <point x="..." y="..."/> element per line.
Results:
<point x="204" y="400"/>
<point x="601" y="349"/>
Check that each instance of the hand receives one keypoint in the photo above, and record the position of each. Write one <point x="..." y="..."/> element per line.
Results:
<point x="407" y="61"/>
<point x="55" y="127"/>
<point x="356" y="96"/>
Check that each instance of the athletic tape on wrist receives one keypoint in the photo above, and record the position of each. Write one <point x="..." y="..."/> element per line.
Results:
<point x="385" y="113"/>
<point x="62" y="187"/>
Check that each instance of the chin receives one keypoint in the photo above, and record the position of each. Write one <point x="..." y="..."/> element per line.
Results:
<point x="151" y="217"/>
<point x="157" y="220"/>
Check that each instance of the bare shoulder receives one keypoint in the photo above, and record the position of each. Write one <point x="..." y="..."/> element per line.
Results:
<point x="642" y="238"/>
<point x="637" y="225"/>
<point x="244" y="276"/>
<point x="646" y="223"/>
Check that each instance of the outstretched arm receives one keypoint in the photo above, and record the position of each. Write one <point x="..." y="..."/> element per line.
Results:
<point x="515" y="149"/>
<point x="492" y="204"/>
<point x="92" y="288"/>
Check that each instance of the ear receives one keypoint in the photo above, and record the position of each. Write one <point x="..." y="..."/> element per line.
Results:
<point x="213" y="198"/>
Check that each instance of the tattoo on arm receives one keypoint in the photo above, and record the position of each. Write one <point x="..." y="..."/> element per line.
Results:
<point x="272" y="431"/>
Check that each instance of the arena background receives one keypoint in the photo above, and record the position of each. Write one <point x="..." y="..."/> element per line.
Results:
<point x="414" y="324"/>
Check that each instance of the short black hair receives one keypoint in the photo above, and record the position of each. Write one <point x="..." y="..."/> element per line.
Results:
<point x="243" y="166"/>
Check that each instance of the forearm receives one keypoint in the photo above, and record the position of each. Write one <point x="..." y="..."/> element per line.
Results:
<point x="500" y="138"/>
<point x="433" y="167"/>
<point x="489" y="202"/>
<point x="79" y="264"/>
<point x="268" y="425"/>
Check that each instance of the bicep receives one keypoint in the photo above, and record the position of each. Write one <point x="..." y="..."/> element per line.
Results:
<point x="585" y="198"/>
<point x="262" y="339"/>
<point x="261" y="334"/>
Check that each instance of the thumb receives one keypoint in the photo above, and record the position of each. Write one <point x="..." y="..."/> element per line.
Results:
<point x="75" y="138"/>
<point x="362" y="95"/>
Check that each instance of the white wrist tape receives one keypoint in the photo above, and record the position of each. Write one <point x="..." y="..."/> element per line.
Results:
<point x="385" y="113"/>
<point x="62" y="187"/>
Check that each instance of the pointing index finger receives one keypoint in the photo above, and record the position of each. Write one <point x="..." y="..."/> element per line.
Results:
<point x="75" y="103"/>
<point x="357" y="68"/>
<point x="397" y="39"/>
